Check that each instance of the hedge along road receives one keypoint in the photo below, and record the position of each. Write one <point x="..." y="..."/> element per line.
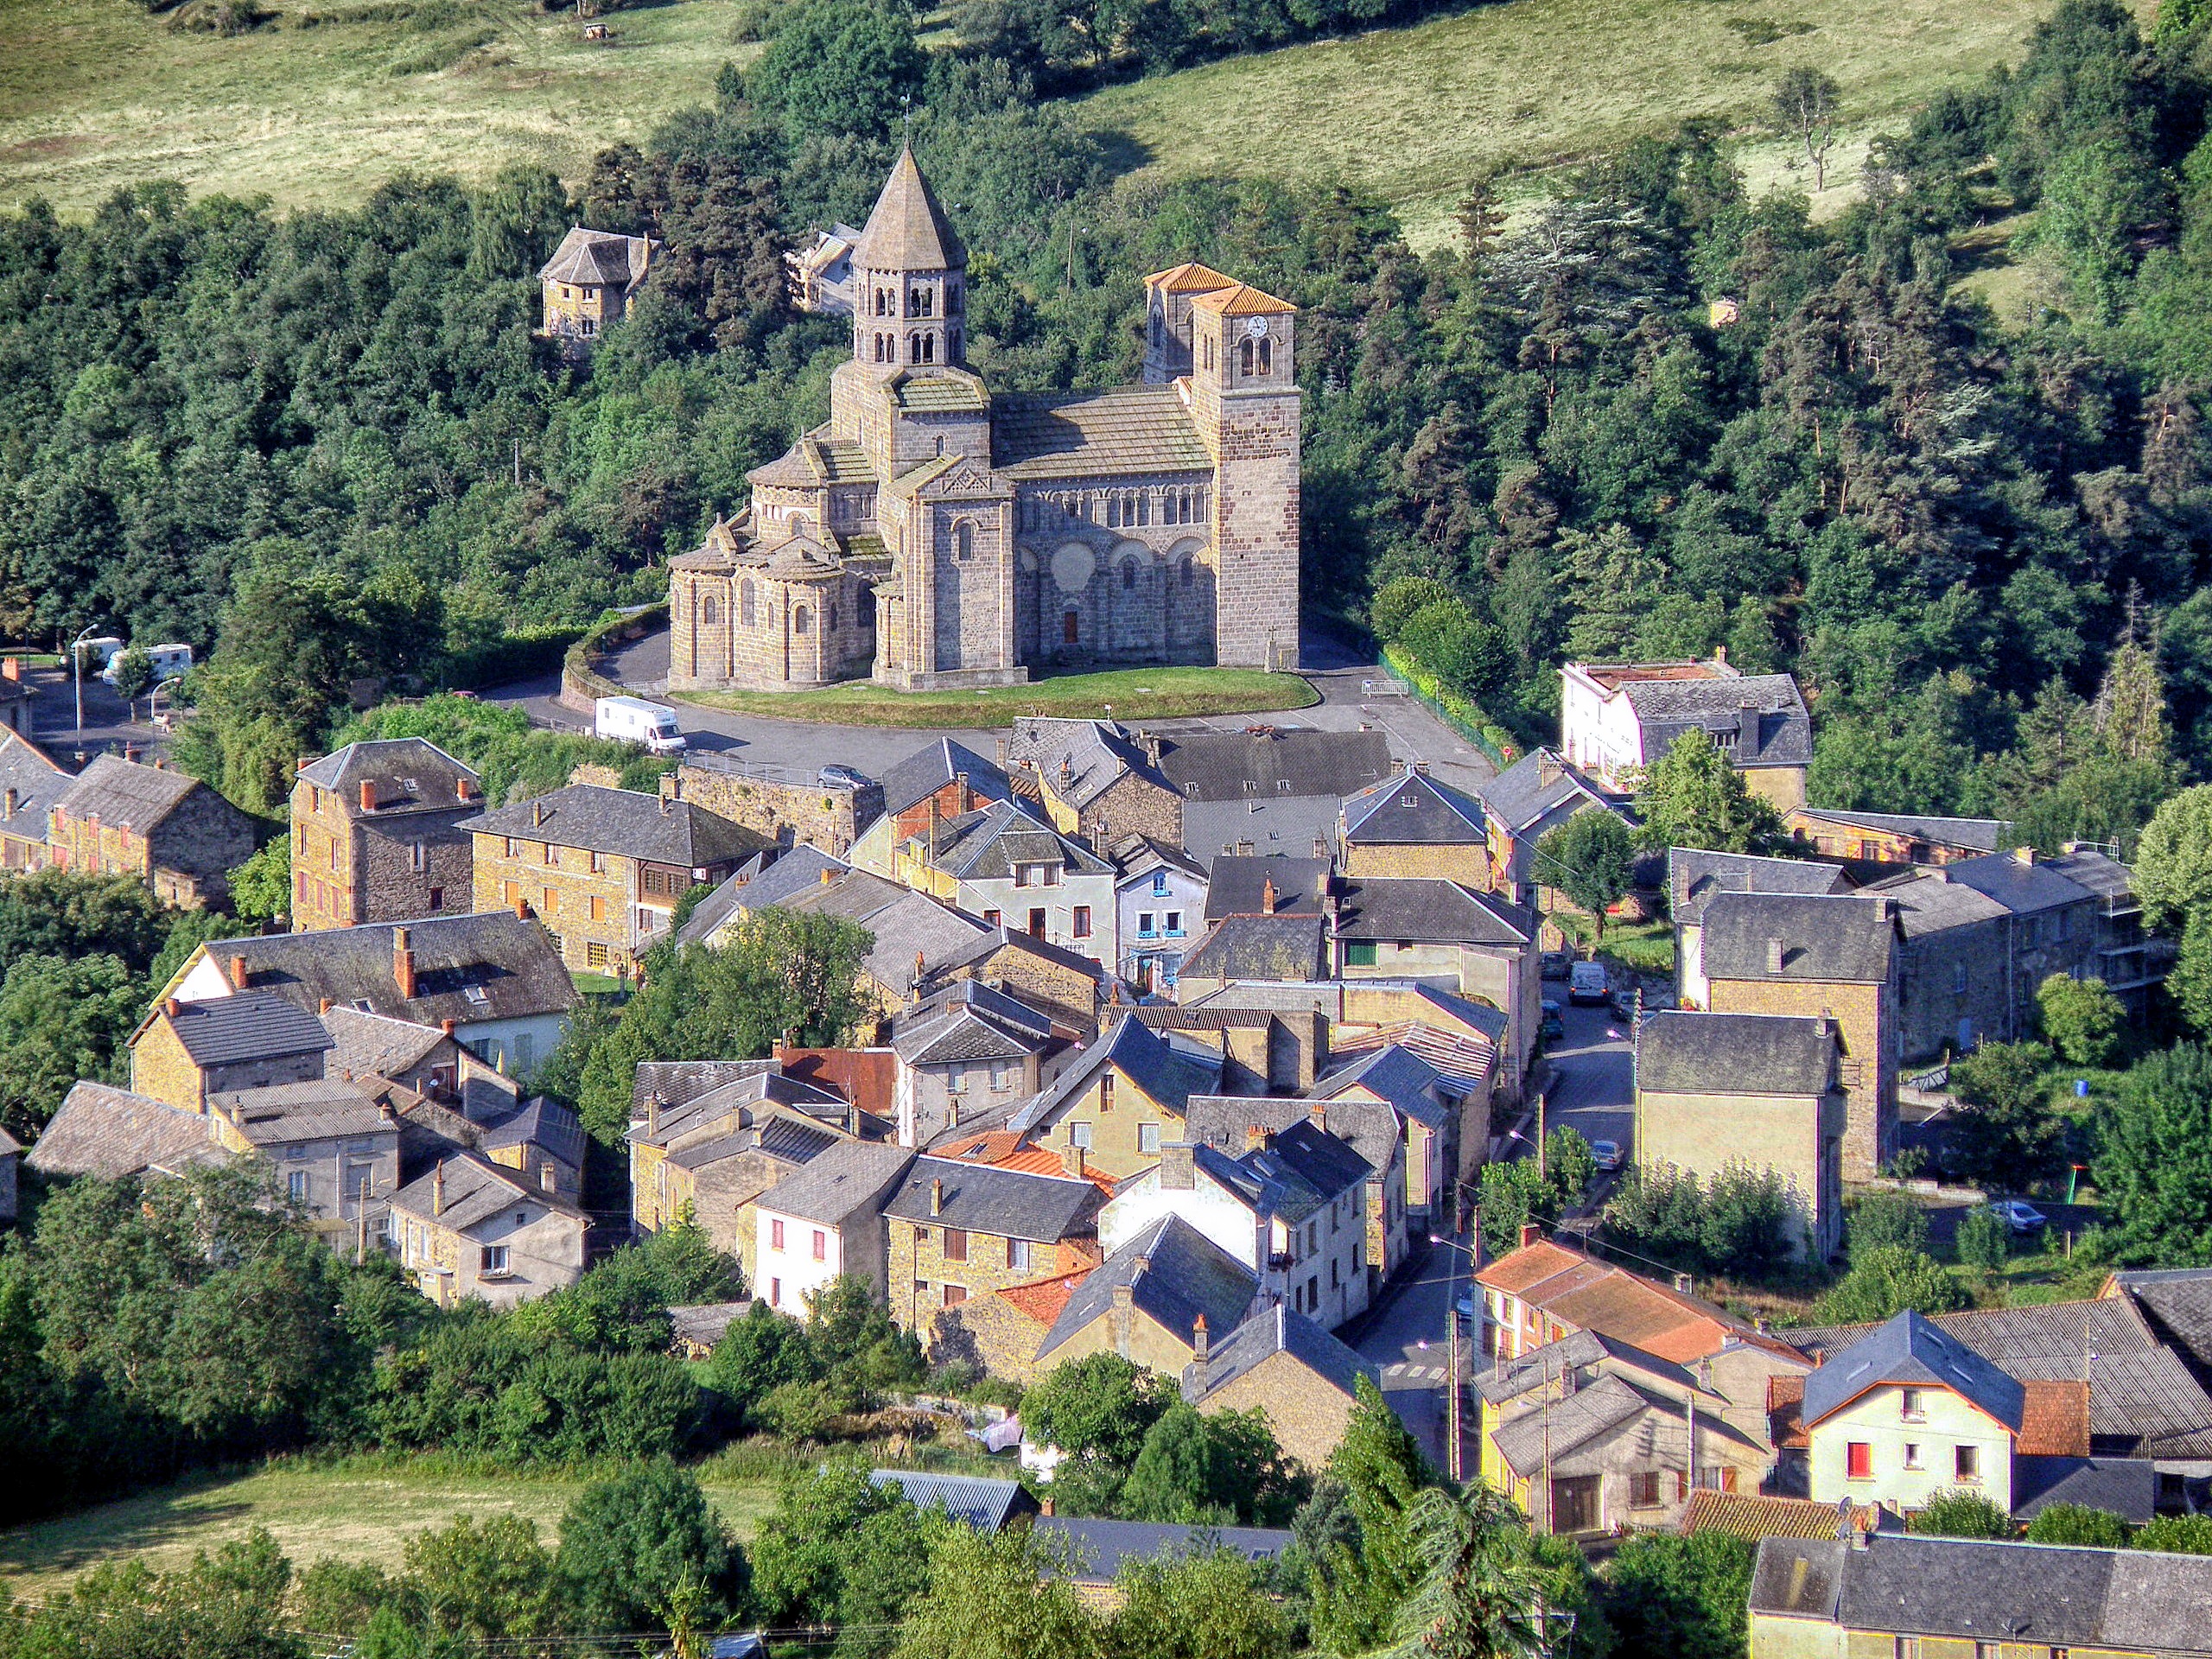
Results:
<point x="792" y="750"/>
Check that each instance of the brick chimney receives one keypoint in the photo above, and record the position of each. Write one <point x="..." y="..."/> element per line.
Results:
<point x="368" y="795"/>
<point x="1268" y="896"/>
<point x="239" y="977"/>
<point x="402" y="963"/>
<point x="1078" y="1163"/>
<point x="1531" y="1233"/>
<point x="522" y="908"/>
<point x="2024" y="855"/>
<point x="322" y="1005"/>
<point x="1421" y="768"/>
<point x="652" y="1113"/>
<point x="11" y="667"/>
<point x="828" y="873"/>
<point x="8" y="803"/>
<point x="1256" y="1137"/>
<point x="1198" y="1339"/>
<point x="300" y="762"/>
<point x="1548" y="769"/>
<point x="438" y="1191"/>
<point x="1152" y="747"/>
<point x="936" y="1195"/>
<point x="445" y="1025"/>
<point x="1178" y="1170"/>
<point x="463" y="790"/>
<point x="173" y="1008"/>
<point x="537" y="815"/>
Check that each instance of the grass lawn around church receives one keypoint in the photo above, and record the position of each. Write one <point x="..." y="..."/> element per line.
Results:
<point x="1122" y="694"/>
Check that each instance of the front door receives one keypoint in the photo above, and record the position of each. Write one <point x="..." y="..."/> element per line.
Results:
<point x="1036" y="923"/>
<point x="1574" y="1503"/>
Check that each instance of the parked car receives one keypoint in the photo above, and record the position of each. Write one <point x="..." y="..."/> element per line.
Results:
<point x="1467" y="1305"/>
<point x="841" y="777"/>
<point x="1608" y="1155"/>
<point x="1552" y="1028"/>
<point x="1625" y="999"/>
<point x="1555" y="965"/>
<point x="1588" y="983"/>
<point x="2019" y="1215"/>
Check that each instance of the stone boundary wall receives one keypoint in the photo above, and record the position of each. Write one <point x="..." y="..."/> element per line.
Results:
<point x="788" y="814"/>
<point x="581" y="684"/>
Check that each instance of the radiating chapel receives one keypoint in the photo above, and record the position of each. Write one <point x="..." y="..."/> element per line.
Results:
<point x="934" y="534"/>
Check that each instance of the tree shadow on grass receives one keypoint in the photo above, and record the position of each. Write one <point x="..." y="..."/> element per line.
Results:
<point x="71" y="1543"/>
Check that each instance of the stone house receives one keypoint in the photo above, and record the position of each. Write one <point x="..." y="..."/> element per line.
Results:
<point x="1884" y="1592"/>
<point x="431" y="1060"/>
<point x="30" y="783"/>
<point x="1152" y="1301"/>
<point x="1525" y="803"/>
<point x="1448" y="934"/>
<point x="1289" y="1369"/>
<point x="1760" y="1091"/>
<point x="956" y="1230"/>
<point x="1073" y="989"/>
<point x="373" y="835"/>
<point x="824" y="1221"/>
<point x="913" y="935"/>
<point x="1000" y="1333"/>
<point x="497" y="976"/>
<point x="1617" y="718"/>
<point x="932" y="786"/>
<point x="1438" y="1149"/>
<point x="110" y="1133"/>
<point x="469" y="1229"/>
<point x="1291" y="1205"/>
<point x="1253" y="949"/>
<point x="967" y="1053"/>
<point x="1116" y="1103"/>
<point x="588" y="284"/>
<point x="16" y="699"/>
<point x="820" y="275"/>
<point x="1695" y="878"/>
<point x="1372" y="1130"/>
<point x="1014" y="870"/>
<point x="1411" y="824"/>
<point x="1269" y="786"/>
<point x="334" y="1150"/>
<point x="708" y="1138"/>
<point x="182" y="1053"/>
<point x="602" y="868"/>
<point x="1269" y="884"/>
<point x="1262" y="1049"/>
<point x="1591" y="1435"/>
<point x="935" y="533"/>
<point x="1159" y="897"/>
<point x="1094" y="780"/>
<point x="1891" y="837"/>
<point x="172" y="832"/>
<point x="1834" y="958"/>
<point x="2127" y="959"/>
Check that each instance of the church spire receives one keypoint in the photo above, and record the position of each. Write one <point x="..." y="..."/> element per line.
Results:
<point x="909" y="272"/>
<point x="908" y="230"/>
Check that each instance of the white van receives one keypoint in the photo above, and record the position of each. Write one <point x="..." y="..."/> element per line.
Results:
<point x="633" y="720"/>
<point x="1587" y="982"/>
<point x="169" y="661"/>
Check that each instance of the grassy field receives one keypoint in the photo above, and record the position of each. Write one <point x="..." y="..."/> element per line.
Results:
<point x="332" y="97"/>
<point x="357" y="1512"/>
<point x="1409" y="114"/>
<point x="1131" y="694"/>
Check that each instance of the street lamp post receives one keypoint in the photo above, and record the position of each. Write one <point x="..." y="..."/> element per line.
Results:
<point x="1452" y="1455"/>
<point x="77" y="672"/>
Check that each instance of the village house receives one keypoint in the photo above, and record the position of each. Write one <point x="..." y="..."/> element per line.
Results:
<point x="1254" y="949"/>
<point x="1880" y="838"/>
<point x="588" y="284"/>
<point x="1116" y="1103"/>
<point x="966" y="1052"/>
<point x="1441" y="1150"/>
<point x="1373" y="1130"/>
<point x="373" y="835"/>
<point x="1290" y="1204"/>
<point x="1014" y="869"/>
<point x="182" y="1053"/>
<point x="112" y="1133"/>
<point x="496" y="976"/>
<point x="1094" y="780"/>
<point x="1760" y="1091"/>
<point x="1411" y="824"/>
<point x="934" y="786"/>
<point x="1695" y="878"/>
<point x="602" y="868"/>
<point x="1262" y="1049"/>
<point x="1075" y="990"/>
<point x="1159" y="899"/>
<point x="1287" y="1368"/>
<point x="956" y="1230"/>
<point x="431" y="1060"/>
<point x="1268" y="788"/>
<point x="1833" y="957"/>
<point x="1154" y="1301"/>
<point x="1096" y="1551"/>
<point x="820" y="275"/>
<point x="1617" y="718"/>
<point x="1525" y="803"/>
<point x="1269" y="884"/>
<point x="824" y="1221"/>
<point x="170" y="831"/>
<point x="30" y="784"/>
<point x="334" y="1150"/>
<point x="470" y="1228"/>
<point x="15" y="698"/>
<point x="913" y="935"/>
<point x="1447" y="934"/>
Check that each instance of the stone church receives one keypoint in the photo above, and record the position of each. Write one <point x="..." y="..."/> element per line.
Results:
<point x="935" y="534"/>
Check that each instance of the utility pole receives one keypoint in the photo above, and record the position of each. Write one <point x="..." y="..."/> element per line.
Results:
<point x="1451" y="1403"/>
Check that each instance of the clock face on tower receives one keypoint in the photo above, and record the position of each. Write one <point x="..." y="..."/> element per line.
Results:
<point x="1257" y="327"/>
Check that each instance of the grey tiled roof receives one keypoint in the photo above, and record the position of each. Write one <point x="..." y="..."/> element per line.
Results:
<point x="907" y="229"/>
<point x="2023" y="889"/>
<point x="1413" y="809"/>
<point x="2108" y="878"/>
<point x="1174" y="1274"/>
<point x="1276" y="1330"/>
<point x="1735" y="1054"/>
<point x="390" y="766"/>
<point x="38" y="784"/>
<point x="1237" y="884"/>
<point x="1038" y="436"/>
<point x="1429" y="908"/>
<point x="1927" y="903"/>
<point x="1908" y="1349"/>
<point x="1138" y="1052"/>
<point x="1300" y="1169"/>
<point x="1759" y="720"/>
<point x="111" y="1132"/>
<point x="842" y="1182"/>
<point x="596" y="258"/>
<point x="927" y="771"/>
<point x="904" y="925"/>
<point x="1268" y="763"/>
<point x="1399" y="1074"/>
<point x="622" y="822"/>
<point x="1102" y="1548"/>
<point x="2126" y="1487"/>
<point x="987" y="845"/>
<point x="1582" y="1416"/>
<point x="375" y="1045"/>
<point x="679" y="1083"/>
<point x="475" y="1190"/>
<point x="1005" y="1202"/>
<point x="123" y="795"/>
<point x="969" y="1021"/>
<point x="1983" y="834"/>
<point x="1695" y="878"/>
<point x="1079" y="759"/>
<point x="1259" y="947"/>
<point x="541" y="1123"/>
<point x="755" y="884"/>
<point x="1221" y="1121"/>
<point x="287" y="1113"/>
<point x="984" y="1504"/>
<point x="491" y="965"/>
<point x="2179" y="1303"/>
<point x="1841" y="939"/>
<point x="250" y="1025"/>
<point x="1539" y="782"/>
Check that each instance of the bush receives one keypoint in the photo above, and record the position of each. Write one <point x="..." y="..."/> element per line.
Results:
<point x="2177" y="1535"/>
<point x="1882" y="1218"/>
<point x="2006" y="1133"/>
<point x="1885" y="1281"/>
<point x="1681" y="1597"/>
<point x="2082" y="1017"/>
<point x="1399" y="601"/>
<point x="1466" y="654"/>
<point x="1956" y="1514"/>
<point x="2077" y="1523"/>
<point x="1739" y="1221"/>
<point x="1985" y="1241"/>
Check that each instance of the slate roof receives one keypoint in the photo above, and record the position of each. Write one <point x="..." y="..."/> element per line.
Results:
<point x="1174" y="1275"/>
<point x="597" y="259"/>
<point x="37" y="780"/>
<point x="1538" y="785"/>
<point x="1272" y="762"/>
<point x="1237" y="883"/>
<point x="1101" y="1548"/>
<point x="1509" y="1379"/>
<point x="1138" y="1053"/>
<point x="1463" y="1060"/>
<point x="1040" y="435"/>
<point x="968" y="1021"/>
<point x="706" y="1323"/>
<point x="1840" y="939"/>
<point x="1415" y="908"/>
<point x="111" y="1132"/>
<point x="907" y="229"/>
<point x="1686" y="1053"/>
<point x="1980" y="835"/>
<point x="1300" y="1169"/>
<point x="492" y="965"/>
<point x="2178" y="1301"/>
<point x="285" y="1114"/>
<point x="1259" y="947"/>
<point x="2043" y="1595"/>
<point x="984" y="1504"/>
<point x="1079" y="759"/>
<point x="927" y="771"/>
<point x="1412" y="810"/>
<point x="1399" y="1075"/>
<point x="904" y="925"/>
<point x="679" y="1083"/>
<point x="1908" y="1350"/>
<point x="1592" y="1410"/>
<point x="1271" y="1330"/>
<point x="2108" y="878"/>
<point x="476" y="1189"/>
<point x="987" y="845"/>
<point x="2023" y="889"/>
<point x="1136" y="856"/>
<point x="1758" y="720"/>
<point x="538" y="1122"/>
<point x="843" y="1182"/>
<point x="250" y="1025"/>
<point x="372" y="1045"/>
<point x="123" y="795"/>
<point x="755" y="884"/>
<point x="2126" y="1487"/>
<point x="622" y="822"/>
<point x="1695" y="878"/>
<point x="1004" y="1203"/>
<point x="404" y="773"/>
<point x="1929" y="903"/>
<point x="1368" y="1128"/>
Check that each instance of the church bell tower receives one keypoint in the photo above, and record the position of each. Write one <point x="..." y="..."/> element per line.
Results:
<point x="909" y="280"/>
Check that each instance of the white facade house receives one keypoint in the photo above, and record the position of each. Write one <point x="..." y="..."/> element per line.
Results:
<point x="1617" y="718"/>
<point x="1160" y="906"/>
<point x="824" y="1221"/>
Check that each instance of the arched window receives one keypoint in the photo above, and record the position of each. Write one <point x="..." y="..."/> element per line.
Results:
<point x="1189" y="569"/>
<point x="963" y="541"/>
<point x="1267" y="356"/>
<point x="1244" y="357"/>
<point x="833" y="619"/>
<point x="710" y="612"/>
<point x="1155" y="330"/>
<point x="1070" y="627"/>
<point x="745" y="602"/>
<point x="1113" y="511"/>
<point x="929" y="348"/>
<point x="1129" y="575"/>
<point x="802" y="619"/>
<point x="923" y="302"/>
<point x="1144" y="509"/>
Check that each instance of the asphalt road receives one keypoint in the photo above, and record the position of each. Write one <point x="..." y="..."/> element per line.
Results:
<point x="1408" y="1338"/>
<point x="109" y="725"/>
<point x="1595" y="1088"/>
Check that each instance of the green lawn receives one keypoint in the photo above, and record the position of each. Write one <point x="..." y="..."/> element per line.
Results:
<point x="360" y="1512"/>
<point x="1129" y="694"/>
<point x="1409" y="114"/>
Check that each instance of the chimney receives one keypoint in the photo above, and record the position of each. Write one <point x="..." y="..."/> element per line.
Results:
<point x="1720" y="656"/>
<point x="671" y="787"/>
<point x="11" y="667"/>
<point x="537" y="815"/>
<point x="652" y="1114"/>
<point x="300" y="762"/>
<point x="961" y="779"/>
<point x="368" y="795"/>
<point x="1397" y="767"/>
<point x="936" y="1195"/>
<point x="387" y="1111"/>
<point x="239" y="977"/>
<point x="1244" y="849"/>
<point x="1256" y="1137"/>
<point x="446" y="1025"/>
<point x="402" y="963"/>
<point x="1268" y="896"/>
<point x="438" y="1192"/>
<point x="1151" y="747"/>
<point x="828" y="874"/>
<point x="1002" y="755"/>
<point x="1774" y="955"/>
<point x="322" y="1005"/>
<point x="1530" y="1232"/>
<point x="1078" y="1163"/>
<point x="1547" y="767"/>
<point x="667" y="806"/>
<point x="2024" y="855"/>
<point x="131" y="752"/>
<point x="1421" y="768"/>
<point x="1044" y="1507"/>
<point x="522" y="908"/>
<point x="1198" y="1341"/>
<point x="463" y="790"/>
<point x="1178" y="1172"/>
<point x="173" y="1008"/>
<point x="8" y="803"/>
